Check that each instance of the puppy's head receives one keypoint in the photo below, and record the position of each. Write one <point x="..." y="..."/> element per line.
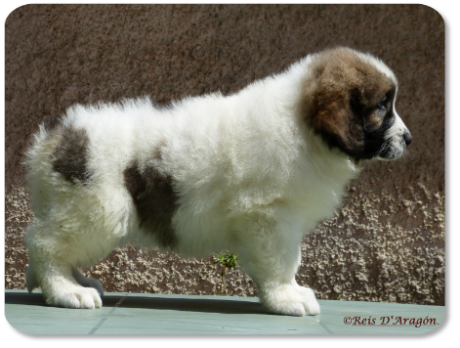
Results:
<point x="351" y="97"/>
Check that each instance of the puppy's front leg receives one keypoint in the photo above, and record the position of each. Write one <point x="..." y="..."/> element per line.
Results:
<point x="271" y="259"/>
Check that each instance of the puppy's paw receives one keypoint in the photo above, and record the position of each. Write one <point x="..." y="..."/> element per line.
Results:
<point x="309" y="301"/>
<point x="75" y="297"/>
<point x="294" y="301"/>
<point x="295" y="309"/>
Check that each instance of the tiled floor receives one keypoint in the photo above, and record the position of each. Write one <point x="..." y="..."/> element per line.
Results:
<point x="153" y="314"/>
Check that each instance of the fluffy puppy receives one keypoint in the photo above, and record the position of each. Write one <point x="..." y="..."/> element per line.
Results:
<point x="250" y="172"/>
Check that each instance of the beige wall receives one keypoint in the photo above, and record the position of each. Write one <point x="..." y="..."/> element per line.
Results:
<point x="387" y="241"/>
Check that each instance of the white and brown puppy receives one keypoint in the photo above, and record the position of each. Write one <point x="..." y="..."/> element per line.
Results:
<point x="251" y="173"/>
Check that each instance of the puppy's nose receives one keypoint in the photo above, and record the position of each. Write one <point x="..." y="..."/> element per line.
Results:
<point x="407" y="138"/>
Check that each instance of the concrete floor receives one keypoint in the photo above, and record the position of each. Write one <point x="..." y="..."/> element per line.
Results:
<point x="157" y="314"/>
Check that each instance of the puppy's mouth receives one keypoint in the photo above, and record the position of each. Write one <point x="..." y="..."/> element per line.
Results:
<point x="390" y="151"/>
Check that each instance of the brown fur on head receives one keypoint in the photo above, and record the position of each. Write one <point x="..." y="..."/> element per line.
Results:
<point x="345" y="91"/>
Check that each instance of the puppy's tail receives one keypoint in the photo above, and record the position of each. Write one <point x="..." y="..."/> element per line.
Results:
<point x="31" y="279"/>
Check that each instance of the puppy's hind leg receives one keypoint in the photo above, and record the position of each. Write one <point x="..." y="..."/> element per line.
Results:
<point x="61" y="289"/>
<point x="52" y="259"/>
<point x="87" y="282"/>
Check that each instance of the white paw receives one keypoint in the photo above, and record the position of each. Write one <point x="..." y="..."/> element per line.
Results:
<point x="75" y="297"/>
<point x="309" y="301"/>
<point x="295" y="309"/>
<point x="291" y="300"/>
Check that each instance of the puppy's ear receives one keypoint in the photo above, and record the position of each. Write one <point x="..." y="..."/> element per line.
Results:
<point x="337" y="120"/>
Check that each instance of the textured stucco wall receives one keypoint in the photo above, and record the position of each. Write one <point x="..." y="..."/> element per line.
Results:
<point x="387" y="241"/>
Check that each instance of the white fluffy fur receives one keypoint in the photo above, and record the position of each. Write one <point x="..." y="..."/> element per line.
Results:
<point x="252" y="178"/>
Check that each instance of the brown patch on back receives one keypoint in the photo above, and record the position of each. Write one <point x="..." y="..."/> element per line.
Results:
<point x="70" y="155"/>
<point x="343" y="89"/>
<point x="155" y="201"/>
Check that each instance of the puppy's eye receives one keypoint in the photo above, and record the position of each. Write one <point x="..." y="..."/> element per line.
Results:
<point x="383" y="104"/>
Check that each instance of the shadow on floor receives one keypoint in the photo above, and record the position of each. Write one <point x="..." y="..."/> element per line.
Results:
<point x="137" y="301"/>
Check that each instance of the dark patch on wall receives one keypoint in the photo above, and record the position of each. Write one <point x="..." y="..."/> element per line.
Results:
<point x="155" y="200"/>
<point x="70" y="157"/>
